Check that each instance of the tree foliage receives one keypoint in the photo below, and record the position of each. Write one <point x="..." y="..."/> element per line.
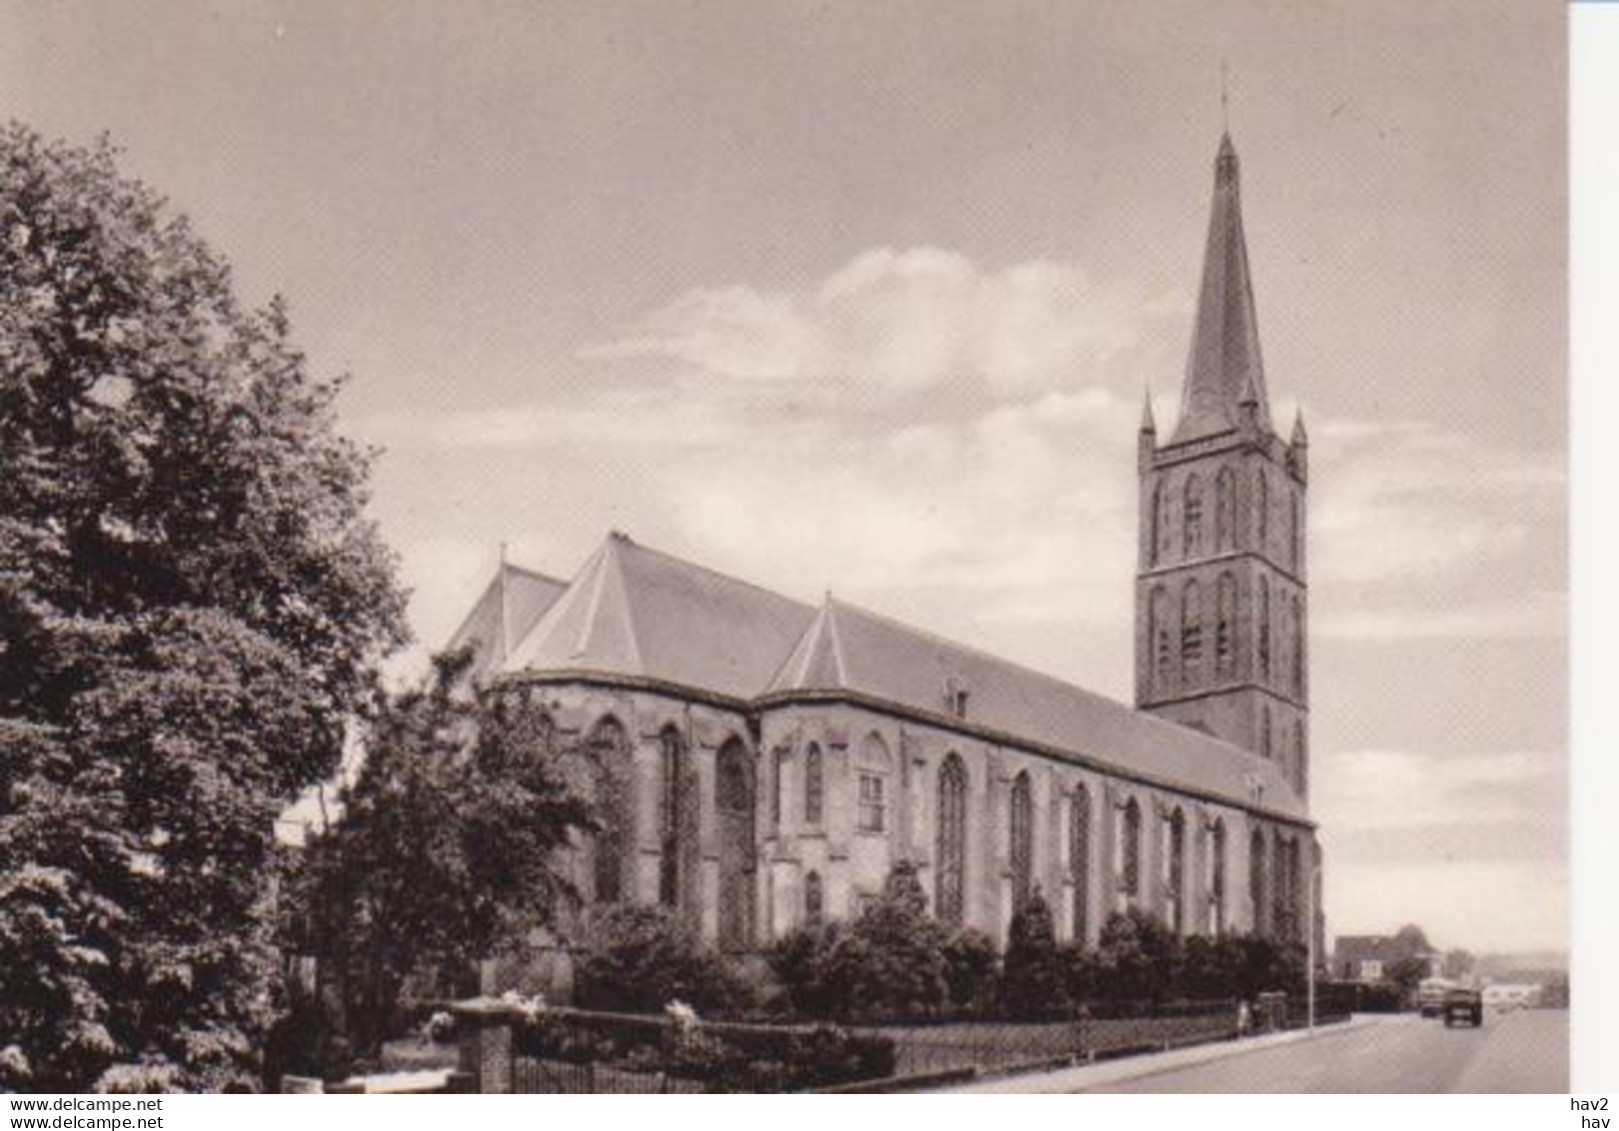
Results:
<point x="1034" y="978"/>
<point x="639" y="959"/>
<point x="191" y="602"/>
<point x="888" y="962"/>
<point x="445" y="853"/>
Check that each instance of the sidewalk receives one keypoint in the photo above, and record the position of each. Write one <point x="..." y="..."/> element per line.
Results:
<point x="1079" y="1078"/>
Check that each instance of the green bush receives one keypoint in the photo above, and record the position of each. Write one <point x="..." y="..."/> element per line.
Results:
<point x="1034" y="981"/>
<point x="798" y="960"/>
<point x="1139" y="957"/>
<point x="889" y="963"/>
<point x="641" y="958"/>
<point x="1083" y="973"/>
<point x="972" y="971"/>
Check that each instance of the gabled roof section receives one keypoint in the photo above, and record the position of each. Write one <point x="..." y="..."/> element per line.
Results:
<point x="1224" y="361"/>
<point x="511" y="604"/>
<point x="850" y="649"/>
<point x="635" y="611"/>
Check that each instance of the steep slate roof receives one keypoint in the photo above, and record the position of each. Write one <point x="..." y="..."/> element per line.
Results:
<point x="1223" y="368"/>
<point x="634" y="611"/>
<point x="848" y="648"/>
<point x="526" y="595"/>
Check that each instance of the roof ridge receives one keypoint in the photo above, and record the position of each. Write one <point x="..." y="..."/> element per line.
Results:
<point x="981" y="653"/>
<point x="536" y="574"/>
<point x="710" y="571"/>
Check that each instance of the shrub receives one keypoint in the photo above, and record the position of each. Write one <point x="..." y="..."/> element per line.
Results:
<point x="1033" y="978"/>
<point x="1082" y="972"/>
<point x="798" y="960"/>
<point x="1139" y="957"/>
<point x="972" y="969"/>
<point x="642" y="958"/>
<point x="889" y="963"/>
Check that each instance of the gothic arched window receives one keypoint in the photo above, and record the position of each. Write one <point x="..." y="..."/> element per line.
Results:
<point x="1192" y="515"/>
<point x="814" y="898"/>
<point x="1256" y="880"/>
<point x="1295" y="530"/>
<point x="1160" y="644"/>
<point x="1079" y="857"/>
<point x="1225" y="613"/>
<point x="1225" y="510"/>
<point x="1174" y="869"/>
<point x="1158" y="530"/>
<point x="778" y="769"/>
<point x="607" y="751"/>
<point x="814" y="785"/>
<point x="1264" y="627"/>
<point x="1216" y="878"/>
<point x="1128" y="849"/>
<point x="1263" y="508"/>
<point x="949" y="895"/>
<point x="1298" y="646"/>
<point x="1264" y="732"/>
<point x="678" y="818"/>
<point x="871" y="784"/>
<point x="1020" y="827"/>
<point x="1191" y="632"/>
<point x="1281" y="890"/>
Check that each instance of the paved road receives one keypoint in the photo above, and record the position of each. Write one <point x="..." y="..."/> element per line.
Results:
<point x="1514" y="1052"/>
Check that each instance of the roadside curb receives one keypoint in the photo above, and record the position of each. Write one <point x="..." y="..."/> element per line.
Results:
<point x="1083" y="1077"/>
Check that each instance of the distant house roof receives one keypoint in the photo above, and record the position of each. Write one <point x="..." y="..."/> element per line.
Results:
<point x="635" y="612"/>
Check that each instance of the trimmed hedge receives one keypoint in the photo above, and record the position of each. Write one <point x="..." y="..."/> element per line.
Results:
<point x="727" y="1056"/>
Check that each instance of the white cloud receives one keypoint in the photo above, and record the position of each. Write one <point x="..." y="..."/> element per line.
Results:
<point x="1383" y="790"/>
<point x="1408" y="502"/>
<point x="1470" y="846"/>
<point x="731" y="331"/>
<point x="1543" y="614"/>
<point x="902" y="321"/>
<point x="1480" y="905"/>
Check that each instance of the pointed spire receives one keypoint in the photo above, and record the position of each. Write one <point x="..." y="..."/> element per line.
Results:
<point x="1224" y="368"/>
<point x="1300" y="438"/>
<point x="1149" y="426"/>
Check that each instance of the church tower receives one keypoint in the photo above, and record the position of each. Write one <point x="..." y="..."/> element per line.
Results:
<point x="1221" y="641"/>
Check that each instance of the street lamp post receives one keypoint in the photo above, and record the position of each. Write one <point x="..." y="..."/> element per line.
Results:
<point x="1309" y="944"/>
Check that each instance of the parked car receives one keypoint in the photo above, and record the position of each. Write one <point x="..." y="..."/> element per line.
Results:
<point x="1464" y="1006"/>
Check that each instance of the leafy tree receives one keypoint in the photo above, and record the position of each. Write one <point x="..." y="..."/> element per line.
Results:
<point x="191" y="605"/>
<point x="798" y="960"/>
<point x="1084" y="976"/>
<point x="642" y="958"/>
<point x="1034" y="979"/>
<point x="1458" y="963"/>
<point x="1406" y="972"/>
<point x="889" y="962"/>
<point x="1410" y="941"/>
<point x="446" y="850"/>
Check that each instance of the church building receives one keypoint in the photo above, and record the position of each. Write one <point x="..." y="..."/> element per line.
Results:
<point x="757" y="762"/>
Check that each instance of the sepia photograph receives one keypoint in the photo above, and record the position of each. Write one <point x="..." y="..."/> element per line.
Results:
<point x="598" y="546"/>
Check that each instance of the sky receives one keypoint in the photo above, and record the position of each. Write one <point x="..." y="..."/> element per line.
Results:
<point x="865" y="297"/>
